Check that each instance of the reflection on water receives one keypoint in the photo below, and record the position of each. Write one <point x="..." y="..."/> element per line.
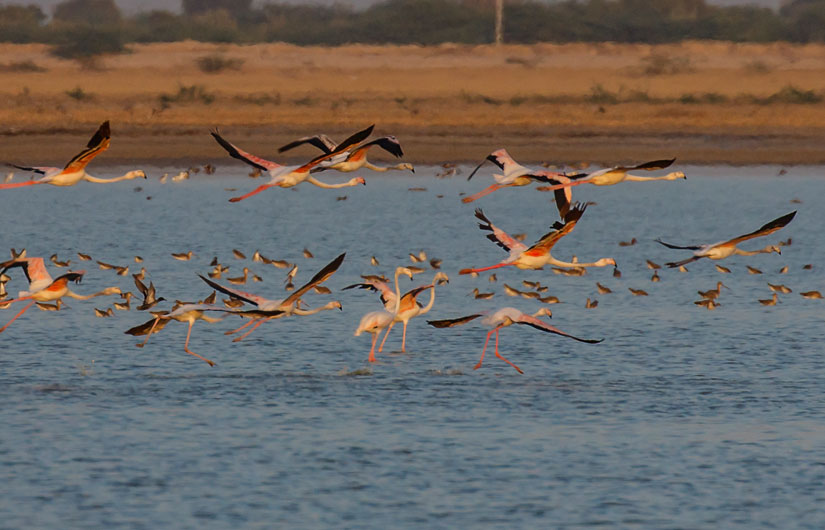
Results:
<point x="683" y="417"/>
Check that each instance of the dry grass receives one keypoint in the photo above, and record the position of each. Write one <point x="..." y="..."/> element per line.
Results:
<point x="587" y="91"/>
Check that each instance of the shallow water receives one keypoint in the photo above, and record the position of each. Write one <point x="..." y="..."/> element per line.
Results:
<point x="681" y="418"/>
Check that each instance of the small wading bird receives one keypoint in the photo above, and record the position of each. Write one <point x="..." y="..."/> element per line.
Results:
<point x="375" y="321"/>
<point x="504" y="317"/>
<point x="266" y="309"/>
<point x="354" y="158"/>
<point x="75" y="169"/>
<point x="538" y="255"/>
<point x="728" y="248"/>
<point x="289" y="176"/>
<point x="516" y="175"/>
<point x="615" y="175"/>
<point x="41" y="286"/>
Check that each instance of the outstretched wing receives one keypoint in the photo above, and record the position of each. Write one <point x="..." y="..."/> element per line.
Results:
<point x="668" y="245"/>
<point x="42" y="170"/>
<point x="235" y="293"/>
<point x="33" y="268"/>
<point x="389" y="144"/>
<point x="452" y="322"/>
<point x="549" y="239"/>
<point x="650" y="166"/>
<point x="768" y="228"/>
<point x="532" y="321"/>
<point x="319" y="278"/>
<point x="235" y="152"/>
<point x="98" y="144"/>
<point x="499" y="236"/>
<point x="321" y="141"/>
<point x="340" y="149"/>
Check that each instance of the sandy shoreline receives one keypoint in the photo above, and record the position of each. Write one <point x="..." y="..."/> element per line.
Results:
<point x="711" y="103"/>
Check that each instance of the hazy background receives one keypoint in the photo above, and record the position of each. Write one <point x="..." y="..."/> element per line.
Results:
<point x="134" y="6"/>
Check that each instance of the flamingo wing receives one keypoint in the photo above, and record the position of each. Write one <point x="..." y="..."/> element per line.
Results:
<point x="33" y="268"/>
<point x="320" y="277"/>
<point x="560" y="230"/>
<point x="356" y="138"/>
<point x="668" y="245"/>
<point x="452" y="322"/>
<point x="651" y="166"/>
<point x="499" y="236"/>
<point x="768" y="228"/>
<point x="389" y="144"/>
<point x="235" y="293"/>
<point x="98" y="144"/>
<point x="42" y="170"/>
<point x="534" y="322"/>
<point x="321" y="141"/>
<point x="235" y="152"/>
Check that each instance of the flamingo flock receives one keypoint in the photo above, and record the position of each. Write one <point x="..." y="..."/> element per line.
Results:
<point x="348" y="156"/>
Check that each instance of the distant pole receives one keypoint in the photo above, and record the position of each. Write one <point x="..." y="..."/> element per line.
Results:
<point x="499" y="21"/>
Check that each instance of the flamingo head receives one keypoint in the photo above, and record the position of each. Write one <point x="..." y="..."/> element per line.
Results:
<point x="774" y="248"/>
<point x="358" y="180"/>
<point x="676" y="175"/>
<point x="606" y="261"/>
<point x="543" y="312"/>
<point x="137" y="173"/>
<point x="112" y="290"/>
<point x="335" y="304"/>
<point x="407" y="166"/>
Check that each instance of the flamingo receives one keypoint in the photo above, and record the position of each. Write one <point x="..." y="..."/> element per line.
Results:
<point x="517" y="175"/>
<point x="375" y="321"/>
<point x="282" y="308"/>
<point x="614" y="175"/>
<point x="42" y="288"/>
<point x="504" y="317"/>
<point x="75" y="169"/>
<point x="538" y="255"/>
<point x="289" y="176"/>
<point x="352" y="159"/>
<point x="410" y="308"/>
<point x="724" y="249"/>
<point x="183" y="313"/>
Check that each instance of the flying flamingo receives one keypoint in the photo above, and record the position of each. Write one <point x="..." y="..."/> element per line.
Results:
<point x="410" y="308"/>
<point x="504" y="317"/>
<point x="728" y="248"/>
<point x="352" y="159"/>
<point x="515" y="175"/>
<point x="41" y="286"/>
<point x="289" y="176"/>
<point x="614" y="175"/>
<point x="75" y="169"/>
<point x="282" y="308"/>
<point x="375" y="321"/>
<point x="538" y="255"/>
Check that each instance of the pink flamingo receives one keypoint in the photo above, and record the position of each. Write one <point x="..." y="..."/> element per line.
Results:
<point x="538" y="255"/>
<point x="514" y="175"/>
<point x="289" y="176"/>
<point x="728" y="248"/>
<point x="375" y="321"/>
<point x="615" y="175"/>
<point x="75" y="169"/>
<point x="281" y="308"/>
<point x="41" y="286"/>
<point x="502" y="318"/>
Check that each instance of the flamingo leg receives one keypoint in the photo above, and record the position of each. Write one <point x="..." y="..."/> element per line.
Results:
<point x="190" y="352"/>
<point x="251" y="321"/>
<point x="253" y="328"/>
<point x="372" y="350"/>
<point x="17" y="315"/>
<point x="565" y="185"/>
<point x="486" y="191"/>
<point x="468" y="271"/>
<point x="9" y="302"/>
<point x="484" y="349"/>
<point x="387" y="334"/>
<point x="155" y="323"/>
<point x="19" y="184"/>
<point x="257" y="190"/>
<point x="502" y="357"/>
<point x="404" y="338"/>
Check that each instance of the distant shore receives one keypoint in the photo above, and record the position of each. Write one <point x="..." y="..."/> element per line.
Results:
<point x="704" y="103"/>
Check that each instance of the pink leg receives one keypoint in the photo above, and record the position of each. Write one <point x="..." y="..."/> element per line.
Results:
<point x="482" y="193"/>
<point x="155" y="323"/>
<point x="19" y="184"/>
<point x="502" y="358"/>
<point x="251" y="321"/>
<point x="190" y="352"/>
<point x="468" y="271"/>
<point x="565" y="185"/>
<point x="404" y="338"/>
<point x="257" y="190"/>
<point x="17" y="315"/>
<point x="387" y="334"/>
<point x="484" y="349"/>
<point x="372" y="350"/>
<point x="253" y="328"/>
